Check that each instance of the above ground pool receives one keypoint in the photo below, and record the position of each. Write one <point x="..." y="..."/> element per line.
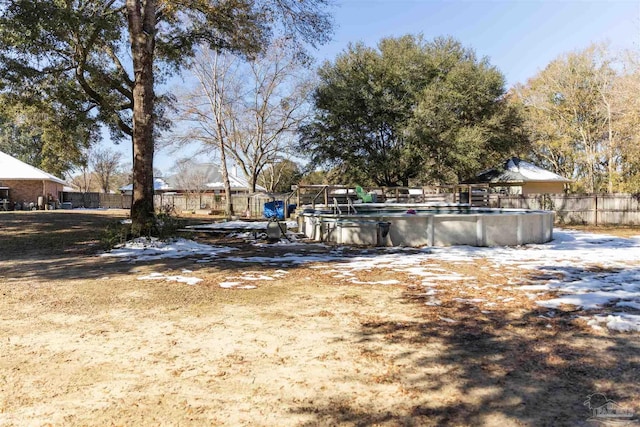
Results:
<point x="416" y="225"/>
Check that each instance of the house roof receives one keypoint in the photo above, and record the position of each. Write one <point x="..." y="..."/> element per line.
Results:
<point x="516" y="170"/>
<point x="159" y="184"/>
<point x="200" y="175"/>
<point x="209" y="176"/>
<point x="14" y="169"/>
<point x="71" y="189"/>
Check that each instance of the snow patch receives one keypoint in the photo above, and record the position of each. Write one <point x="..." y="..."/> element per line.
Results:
<point x="235" y="285"/>
<point x="622" y="322"/>
<point x="151" y="248"/>
<point x="180" y="279"/>
<point x="589" y="271"/>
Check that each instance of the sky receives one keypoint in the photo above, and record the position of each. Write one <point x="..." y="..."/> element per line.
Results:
<point x="518" y="37"/>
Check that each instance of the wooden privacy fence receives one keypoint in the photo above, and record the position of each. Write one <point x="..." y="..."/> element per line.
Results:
<point x="588" y="209"/>
<point x="245" y="205"/>
<point x="82" y="200"/>
<point x="97" y="200"/>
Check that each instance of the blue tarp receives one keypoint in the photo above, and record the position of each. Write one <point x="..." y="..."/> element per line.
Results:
<point x="276" y="209"/>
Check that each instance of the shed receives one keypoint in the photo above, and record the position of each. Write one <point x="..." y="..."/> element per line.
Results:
<point x="25" y="184"/>
<point x="517" y="176"/>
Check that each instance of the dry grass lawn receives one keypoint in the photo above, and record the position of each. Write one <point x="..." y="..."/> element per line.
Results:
<point x="84" y="342"/>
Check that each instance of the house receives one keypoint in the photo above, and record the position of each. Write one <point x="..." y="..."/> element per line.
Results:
<point x="517" y="176"/>
<point x="159" y="186"/>
<point x="207" y="177"/>
<point x="198" y="177"/>
<point x="24" y="184"/>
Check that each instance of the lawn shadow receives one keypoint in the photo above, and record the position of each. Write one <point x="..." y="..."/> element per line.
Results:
<point x="461" y="366"/>
<point x="54" y="245"/>
<point x="568" y="239"/>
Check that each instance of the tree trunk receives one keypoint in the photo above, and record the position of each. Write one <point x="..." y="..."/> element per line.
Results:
<point x="227" y="185"/>
<point x="254" y="181"/>
<point x="610" y="152"/>
<point x="141" y="18"/>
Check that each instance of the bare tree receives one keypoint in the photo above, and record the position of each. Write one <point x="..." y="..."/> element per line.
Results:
<point x="105" y="164"/>
<point x="192" y="179"/>
<point x="207" y="110"/>
<point x="277" y="89"/>
<point x="248" y="111"/>
<point x="84" y="179"/>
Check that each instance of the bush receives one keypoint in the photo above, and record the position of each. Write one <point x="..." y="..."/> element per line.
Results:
<point x="114" y="234"/>
<point x="166" y="225"/>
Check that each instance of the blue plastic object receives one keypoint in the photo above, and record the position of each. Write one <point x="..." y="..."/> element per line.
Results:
<point x="276" y="209"/>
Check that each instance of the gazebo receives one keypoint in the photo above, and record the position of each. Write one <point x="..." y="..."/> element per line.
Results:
<point x="517" y="176"/>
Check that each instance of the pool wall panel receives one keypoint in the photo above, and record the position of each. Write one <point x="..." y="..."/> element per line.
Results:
<point x="357" y="233"/>
<point x="411" y="230"/>
<point x="501" y="230"/>
<point x="455" y="230"/>
<point x="479" y="227"/>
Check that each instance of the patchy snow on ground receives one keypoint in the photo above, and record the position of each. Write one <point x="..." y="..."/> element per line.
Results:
<point x="588" y="271"/>
<point x="617" y="321"/>
<point x="248" y="230"/>
<point x="239" y="282"/>
<point x="148" y="249"/>
<point x="236" y="285"/>
<point x="179" y="279"/>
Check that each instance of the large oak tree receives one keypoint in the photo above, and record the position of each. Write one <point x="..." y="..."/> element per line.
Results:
<point x="106" y="57"/>
<point x="410" y="110"/>
<point x="44" y="135"/>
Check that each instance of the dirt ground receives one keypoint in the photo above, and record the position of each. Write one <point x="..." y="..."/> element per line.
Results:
<point x="84" y="342"/>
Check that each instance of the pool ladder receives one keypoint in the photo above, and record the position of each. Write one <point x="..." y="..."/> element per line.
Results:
<point x="350" y="207"/>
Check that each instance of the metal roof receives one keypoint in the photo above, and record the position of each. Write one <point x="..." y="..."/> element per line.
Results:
<point x="516" y="170"/>
<point x="14" y="169"/>
<point x="207" y="174"/>
<point x="159" y="184"/>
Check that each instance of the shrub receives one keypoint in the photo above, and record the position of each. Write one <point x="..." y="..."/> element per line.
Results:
<point x="166" y="225"/>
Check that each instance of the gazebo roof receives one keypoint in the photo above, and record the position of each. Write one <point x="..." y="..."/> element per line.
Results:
<point x="515" y="171"/>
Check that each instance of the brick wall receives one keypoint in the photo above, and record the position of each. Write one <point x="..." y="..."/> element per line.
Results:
<point x="28" y="191"/>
